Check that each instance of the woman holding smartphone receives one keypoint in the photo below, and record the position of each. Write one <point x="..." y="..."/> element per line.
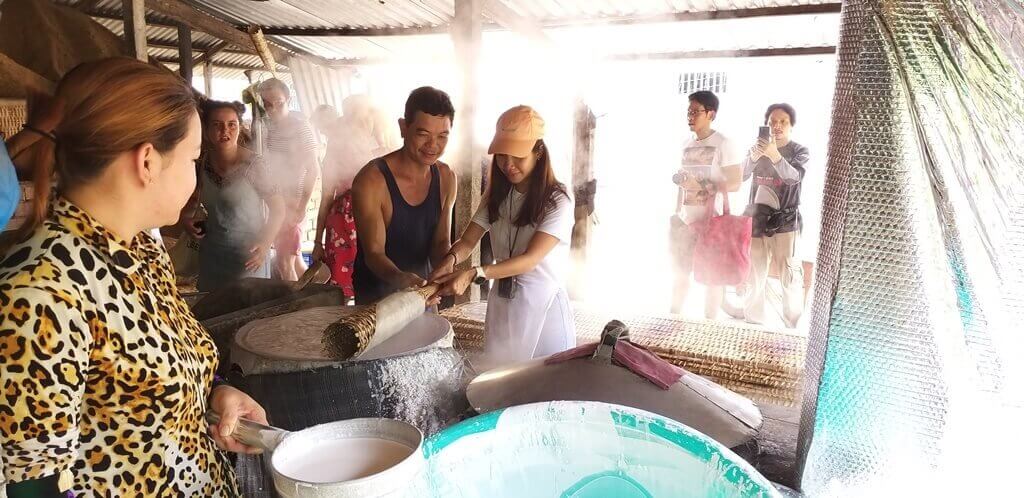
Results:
<point x="530" y="216"/>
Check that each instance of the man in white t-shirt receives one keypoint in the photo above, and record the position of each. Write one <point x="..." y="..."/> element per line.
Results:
<point x="290" y="151"/>
<point x="710" y="162"/>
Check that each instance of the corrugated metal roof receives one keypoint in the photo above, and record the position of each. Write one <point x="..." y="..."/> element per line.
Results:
<point x="200" y="40"/>
<point x="113" y="7"/>
<point x="235" y="59"/>
<point x="333" y="13"/>
<point x="693" y="36"/>
<point x="424" y="13"/>
<point x="596" y="41"/>
<point x="591" y="9"/>
<point x="160" y="34"/>
<point x="372" y="47"/>
<point x="234" y="74"/>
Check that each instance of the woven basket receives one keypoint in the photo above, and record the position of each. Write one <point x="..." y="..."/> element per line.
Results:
<point x="12" y="116"/>
<point x="763" y="365"/>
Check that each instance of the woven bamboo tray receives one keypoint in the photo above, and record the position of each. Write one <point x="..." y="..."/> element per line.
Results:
<point x="12" y="116"/>
<point x="763" y="365"/>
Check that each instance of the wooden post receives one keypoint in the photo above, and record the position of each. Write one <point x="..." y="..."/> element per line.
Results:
<point x="185" y="52"/>
<point x="466" y="35"/>
<point x="208" y="76"/>
<point x="584" y="189"/>
<point x="134" y="15"/>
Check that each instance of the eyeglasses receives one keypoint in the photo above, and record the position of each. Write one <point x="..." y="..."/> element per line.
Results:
<point x="691" y="114"/>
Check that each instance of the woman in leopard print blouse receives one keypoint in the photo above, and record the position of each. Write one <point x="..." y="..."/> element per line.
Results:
<point x="105" y="373"/>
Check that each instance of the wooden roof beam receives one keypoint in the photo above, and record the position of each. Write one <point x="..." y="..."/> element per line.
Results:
<point x="218" y="47"/>
<point x="814" y="9"/>
<point x="201" y="21"/>
<point x="713" y="15"/>
<point x="277" y="51"/>
<point x="694" y="54"/>
<point x="415" y="30"/>
<point x="241" y="67"/>
<point x="715" y="54"/>
<point x="95" y="14"/>
<point x="210" y="52"/>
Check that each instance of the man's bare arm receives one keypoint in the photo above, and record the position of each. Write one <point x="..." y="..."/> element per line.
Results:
<point x="442" y="235"/>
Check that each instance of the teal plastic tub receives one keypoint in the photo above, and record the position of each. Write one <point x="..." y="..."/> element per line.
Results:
<point x="574" y="449"/>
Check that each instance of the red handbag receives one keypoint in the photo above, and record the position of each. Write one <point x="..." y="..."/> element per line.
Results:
<point x="722" y="253"/>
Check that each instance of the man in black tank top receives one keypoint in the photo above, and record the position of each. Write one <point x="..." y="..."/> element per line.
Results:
<point x="403" y="202"/>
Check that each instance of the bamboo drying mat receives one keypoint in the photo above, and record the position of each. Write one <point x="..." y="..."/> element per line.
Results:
<point x="763" y="365"/>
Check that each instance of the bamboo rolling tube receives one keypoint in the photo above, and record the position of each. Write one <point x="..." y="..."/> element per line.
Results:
<point x="352" y="334"/>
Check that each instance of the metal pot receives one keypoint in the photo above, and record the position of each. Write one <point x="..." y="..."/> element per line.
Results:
<point x="286" y="448"/>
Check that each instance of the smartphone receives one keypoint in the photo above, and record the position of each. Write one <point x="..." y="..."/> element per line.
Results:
<point x="764" y="133"/>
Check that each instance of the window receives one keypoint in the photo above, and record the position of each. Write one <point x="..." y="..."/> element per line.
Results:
<point x="692" y="82"/>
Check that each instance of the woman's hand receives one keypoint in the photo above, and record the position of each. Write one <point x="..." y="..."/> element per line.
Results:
<point x="446" y="266"/>
<point x="412" y="281"/>
<point x="232" y="404"/>
<point x="456" y="283"/>
<point x="257" y="256"/>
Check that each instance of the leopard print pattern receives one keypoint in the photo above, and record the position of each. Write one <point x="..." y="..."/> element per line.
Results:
<point x="105" y="372"/>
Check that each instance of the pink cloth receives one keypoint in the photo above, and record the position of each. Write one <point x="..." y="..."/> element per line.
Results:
<point x="636" y="358"/>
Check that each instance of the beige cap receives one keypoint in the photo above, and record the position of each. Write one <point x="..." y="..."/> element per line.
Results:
<point x="518" y="130"/>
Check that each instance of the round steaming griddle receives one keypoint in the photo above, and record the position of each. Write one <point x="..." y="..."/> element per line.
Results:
<point x="292" y="342"/>
<point x="723" y="415"/>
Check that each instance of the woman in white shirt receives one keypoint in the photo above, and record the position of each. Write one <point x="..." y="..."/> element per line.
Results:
<point x="530" y="217"/>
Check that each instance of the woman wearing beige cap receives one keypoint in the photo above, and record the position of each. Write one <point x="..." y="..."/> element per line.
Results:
<point x="530" y="217"/>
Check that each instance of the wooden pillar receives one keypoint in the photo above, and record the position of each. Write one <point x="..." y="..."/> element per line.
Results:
<point x="185" y="52"/>
<point x="208" y="76"/>
<point x="466" y="35"/>
<point x="584" y="189"/>
<point x="134" y="16"/>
